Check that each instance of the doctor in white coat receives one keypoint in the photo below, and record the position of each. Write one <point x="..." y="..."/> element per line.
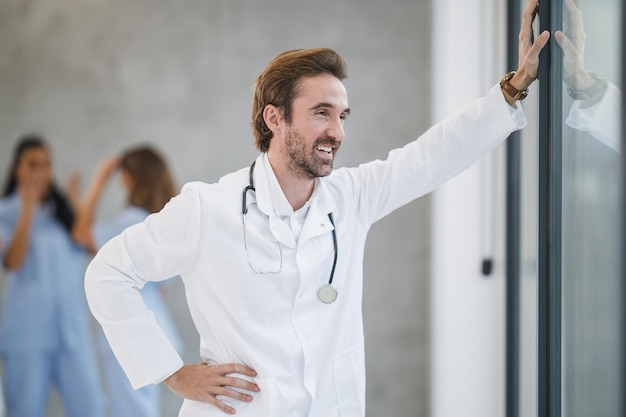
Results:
<point x="271" y="255"/>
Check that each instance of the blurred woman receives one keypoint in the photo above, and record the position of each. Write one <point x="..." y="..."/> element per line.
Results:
<point x="45" y="328"/>
<point x="149" y="187"/>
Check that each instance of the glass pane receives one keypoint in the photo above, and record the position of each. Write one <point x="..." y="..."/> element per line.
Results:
<point x="591" y="52"/>
<point x="528" y="259"/>
<point x="528" y="277"/>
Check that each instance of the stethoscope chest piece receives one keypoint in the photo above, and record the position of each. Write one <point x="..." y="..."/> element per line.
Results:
<point x="327" y="294"/>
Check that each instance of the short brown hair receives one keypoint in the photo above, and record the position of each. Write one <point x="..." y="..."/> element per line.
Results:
<point x="279" y="83"/>
<point x="152" y="185"/>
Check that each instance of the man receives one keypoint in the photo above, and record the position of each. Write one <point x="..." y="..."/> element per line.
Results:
<point x="271" y="255"/>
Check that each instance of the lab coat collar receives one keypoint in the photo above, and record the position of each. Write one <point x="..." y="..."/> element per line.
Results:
<point x="270" y="198"/>
<point x="271" y="201"/>
<point x="281" y="206"/>
<point x="317" y="223"/>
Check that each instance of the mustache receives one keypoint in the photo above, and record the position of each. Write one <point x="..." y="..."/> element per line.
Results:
<point x="327" y="140"/>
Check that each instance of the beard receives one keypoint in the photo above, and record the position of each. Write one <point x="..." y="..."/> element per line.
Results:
<point x="303" y="160"/>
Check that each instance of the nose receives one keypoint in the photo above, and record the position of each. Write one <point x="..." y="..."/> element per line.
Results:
<point x="335" y="129"/>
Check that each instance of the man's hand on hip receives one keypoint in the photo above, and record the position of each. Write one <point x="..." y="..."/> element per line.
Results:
<point x="203" y="382"/>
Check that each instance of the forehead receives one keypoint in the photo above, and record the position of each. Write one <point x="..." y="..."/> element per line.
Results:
<point x="35" y="153"/>
<point x="324" y="88"/>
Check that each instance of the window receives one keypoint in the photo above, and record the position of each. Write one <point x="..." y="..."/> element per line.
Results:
<point x="565" y="294"/>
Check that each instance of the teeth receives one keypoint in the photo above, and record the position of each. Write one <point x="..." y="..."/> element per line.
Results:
<point x="328" y="149"/>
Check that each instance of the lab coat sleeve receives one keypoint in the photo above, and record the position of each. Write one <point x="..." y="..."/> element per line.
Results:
<point x="600" y="120"/>
<point x="162" y="246"/>
<point x="442" y="152"/>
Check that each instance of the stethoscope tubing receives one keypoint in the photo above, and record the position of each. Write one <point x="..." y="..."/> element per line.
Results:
<point x="244" y="211"/>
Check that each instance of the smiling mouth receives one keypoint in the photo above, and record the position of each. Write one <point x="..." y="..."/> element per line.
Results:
<point x="327" y="149"/>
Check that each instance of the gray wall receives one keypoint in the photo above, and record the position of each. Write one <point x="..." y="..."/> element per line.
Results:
<point x="96" y="76"/>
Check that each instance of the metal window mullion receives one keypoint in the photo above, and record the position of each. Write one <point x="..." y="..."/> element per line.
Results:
<point x="513" y="235"/>
<point x="621" y="329"/>
<point x="550" y="217"/>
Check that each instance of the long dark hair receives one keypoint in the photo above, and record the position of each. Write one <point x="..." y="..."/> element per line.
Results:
<point x="152" y="185"/>
<point x="63" y="211"/>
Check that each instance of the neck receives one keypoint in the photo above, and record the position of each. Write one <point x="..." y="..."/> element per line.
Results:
<point x="297" y="189"/>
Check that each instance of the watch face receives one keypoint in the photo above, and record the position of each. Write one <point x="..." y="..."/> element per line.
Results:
<point x="510" y="90"/>
<point x="596" y="90"/>
<point x="577" y="95"/>
<point x="521" y="95"/>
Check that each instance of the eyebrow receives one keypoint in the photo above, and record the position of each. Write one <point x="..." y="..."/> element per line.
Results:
<point x="324" y="105"/>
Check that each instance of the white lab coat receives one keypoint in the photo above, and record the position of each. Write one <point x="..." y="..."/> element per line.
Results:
<point x="601" y="120"/>
<point x="309" y="356"/>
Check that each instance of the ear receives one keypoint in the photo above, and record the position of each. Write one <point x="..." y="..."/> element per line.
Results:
<point x="273" y="118"/>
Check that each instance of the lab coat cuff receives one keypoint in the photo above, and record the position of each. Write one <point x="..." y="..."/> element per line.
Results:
<point x="143" y="350"/>
<point x="516" y="114"/>
<point x="496" y="120"/>
<point x="169" y="373"/>
<point x="600" y="120"/>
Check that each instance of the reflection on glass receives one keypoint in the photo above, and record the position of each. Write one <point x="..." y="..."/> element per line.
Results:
<point x="596" y="107"/>
<point x="589" y="41"/>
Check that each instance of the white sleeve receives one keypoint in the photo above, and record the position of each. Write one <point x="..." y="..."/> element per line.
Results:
<point x="442" y="152"/>
<point x="164" y="245"/>
<point x="600" y="120"/>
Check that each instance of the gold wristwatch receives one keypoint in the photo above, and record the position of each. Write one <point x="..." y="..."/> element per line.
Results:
<point x="594" y="92"/>
<point x="508" y="88"/>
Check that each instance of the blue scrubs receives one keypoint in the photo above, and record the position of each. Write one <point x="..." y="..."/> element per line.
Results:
<point x="123" y="400"/>
<point x="45" y="334"/>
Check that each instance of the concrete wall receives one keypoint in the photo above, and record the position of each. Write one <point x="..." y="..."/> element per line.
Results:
<point x="96" y="76"/>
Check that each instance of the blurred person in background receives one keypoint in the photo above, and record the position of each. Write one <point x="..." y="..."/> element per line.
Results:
<point x="45" y="334"/>
<point x="149" y="186"/>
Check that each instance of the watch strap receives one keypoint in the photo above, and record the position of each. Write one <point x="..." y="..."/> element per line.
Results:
<point x="508" y="88"/>
<point x="592" y="92"/>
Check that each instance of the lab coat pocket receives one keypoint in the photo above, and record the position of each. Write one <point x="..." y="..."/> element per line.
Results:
<point x="349" y="376"/>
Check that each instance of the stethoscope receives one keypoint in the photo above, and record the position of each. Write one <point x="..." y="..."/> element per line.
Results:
<point x="326" y="293"/>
